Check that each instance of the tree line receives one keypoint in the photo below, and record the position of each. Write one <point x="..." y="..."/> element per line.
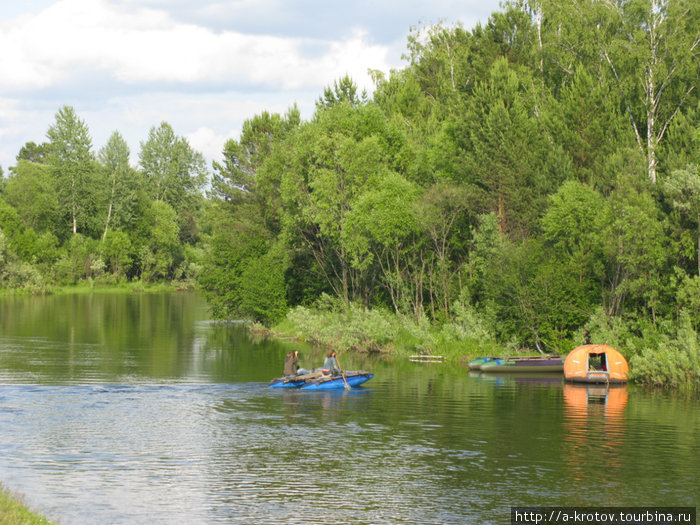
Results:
<point x="69" y="214"/>
<point x="529" y="177"/>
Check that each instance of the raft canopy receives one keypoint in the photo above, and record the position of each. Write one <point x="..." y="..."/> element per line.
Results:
<point x="596" y="364"/>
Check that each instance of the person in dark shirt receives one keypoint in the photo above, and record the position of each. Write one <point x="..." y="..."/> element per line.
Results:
<point x="299" y="371"/>
<point x="290" y="365"/>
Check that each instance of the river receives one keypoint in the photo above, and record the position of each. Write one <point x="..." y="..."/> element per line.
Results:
<point x="140" y="409"/>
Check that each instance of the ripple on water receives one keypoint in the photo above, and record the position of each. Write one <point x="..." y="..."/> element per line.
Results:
<point x="177" y="425"/>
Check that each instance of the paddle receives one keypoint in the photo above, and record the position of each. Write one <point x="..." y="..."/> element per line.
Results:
<point x="347" y="386"/>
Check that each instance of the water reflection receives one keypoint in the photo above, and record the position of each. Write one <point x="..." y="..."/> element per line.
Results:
<point x="300" y="406"/>
<point x="141" y="410"/>
<point x="584" y="399"/>
<point x="594" y="438"/>
<point x="519" y="378"/>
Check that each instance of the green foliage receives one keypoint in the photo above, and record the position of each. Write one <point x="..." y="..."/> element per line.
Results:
<point x="577" y="226"/>
<point x="15" y="274"/>
<point x="588" y="123"/>
<point x="37" y="153"/>
<point x="345" y="326"/>
<point x="59" y="200"/>
<point x="683" y="188"/>
<point x="72" y="161"/>
<point x="117" y="251"/>
<point x="683" y="145"/>
<point x="114" y="157"/>
<point x="3" y="247"/>
<point x="505" y="151"/>
<point x="537" y="299"/>
<point x="499" y="191"/>
<point x="163" y="253"/>
<point x="605" y="329"/>
<point x="344" y="91"/>
<point x="32" y="190"/>
<point x="77" y="263"/>
<point x="688" y="299"/>
<point x="263" y="292"/>
<point x="468" y="323"/>
<point x="675" y="362"/>
<point x="10" y="221"/>
<point x="236" y="243"/>
<point x="640" y="252"/>
<point x="24" y="244"/>
<point x="379" y="228"/>
<point x="175" y="172"/>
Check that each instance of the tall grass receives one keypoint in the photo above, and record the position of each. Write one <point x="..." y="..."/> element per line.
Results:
<point x="332" y="323"/>
<point x="13" y="511"/>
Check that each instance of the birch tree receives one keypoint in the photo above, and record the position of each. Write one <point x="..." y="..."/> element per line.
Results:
<point x="654" y="57"/>
<point x="114" y="156"/>
<point x="71" y="158"/>
<point x="173" y="168"/>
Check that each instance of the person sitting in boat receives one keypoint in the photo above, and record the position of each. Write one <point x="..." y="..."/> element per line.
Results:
<point x="290" y="365"/>
<point x="298" y="370"/>
<point x="331" y="363"/>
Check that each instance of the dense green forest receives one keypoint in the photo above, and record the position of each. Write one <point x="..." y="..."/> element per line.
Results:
<point x="510" y="186"/>
<point x="68" y="214"/>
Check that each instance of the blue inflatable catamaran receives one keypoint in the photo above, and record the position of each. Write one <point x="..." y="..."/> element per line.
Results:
<point x="320" y="380"/>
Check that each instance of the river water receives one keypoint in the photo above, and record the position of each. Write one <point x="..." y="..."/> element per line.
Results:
<point x="139" y="409"/>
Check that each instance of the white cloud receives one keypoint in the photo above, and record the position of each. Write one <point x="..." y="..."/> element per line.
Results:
<point x="127" y="65"/>
<point x="204" y="66"/>
<point x="208" y="142"/>
<point x="206" y="120"/>
<point x="143" y="45"/>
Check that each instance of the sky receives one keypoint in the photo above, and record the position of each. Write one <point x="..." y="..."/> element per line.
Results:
<point x="203" y="66"/>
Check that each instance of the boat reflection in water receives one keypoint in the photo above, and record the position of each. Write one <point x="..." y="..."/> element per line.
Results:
<point x="510" y="378"/>
<point x="582" y="399"/>
<point x="594" y="435"/>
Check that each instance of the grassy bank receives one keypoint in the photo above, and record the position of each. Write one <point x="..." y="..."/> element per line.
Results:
<point x="665" y="356"/>
<point x="333" y="324"/>
<point x="88" y="287"/>
<point x="127" y="287"/>
<point x="14" y="512"/>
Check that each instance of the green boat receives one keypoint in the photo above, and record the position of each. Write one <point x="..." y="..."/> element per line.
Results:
<point x="475" y="364"/>
<point x="542" y="363"/>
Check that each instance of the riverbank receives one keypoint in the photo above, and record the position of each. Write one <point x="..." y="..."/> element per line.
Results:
<point x="88" y="287"/>
<point x="659" y="357"/>
<point x="13" y="511"/>
<point x="353" y="328"/>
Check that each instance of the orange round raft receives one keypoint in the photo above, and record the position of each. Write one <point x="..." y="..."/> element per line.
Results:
<point x="595" y="364"/>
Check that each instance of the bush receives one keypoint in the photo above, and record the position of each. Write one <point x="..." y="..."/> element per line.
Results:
<point x="673" y="363"/>
<point x="467" y="322"/>
<point x="22" y="276"/>
<point x="345" y="327"/>
<point x="604" y="329"/>
<point x="262" y="288"/>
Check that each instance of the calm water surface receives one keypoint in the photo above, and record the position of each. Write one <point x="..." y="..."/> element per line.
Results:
<point x="138" y="409"/>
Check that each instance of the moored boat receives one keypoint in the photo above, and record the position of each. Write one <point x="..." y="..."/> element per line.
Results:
<point x="475" y="364"/>
<point x="595" y="364"/>
<point x="537" y="363"/>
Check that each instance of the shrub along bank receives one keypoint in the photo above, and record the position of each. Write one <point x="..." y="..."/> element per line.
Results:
<point x="665" y="355"/>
